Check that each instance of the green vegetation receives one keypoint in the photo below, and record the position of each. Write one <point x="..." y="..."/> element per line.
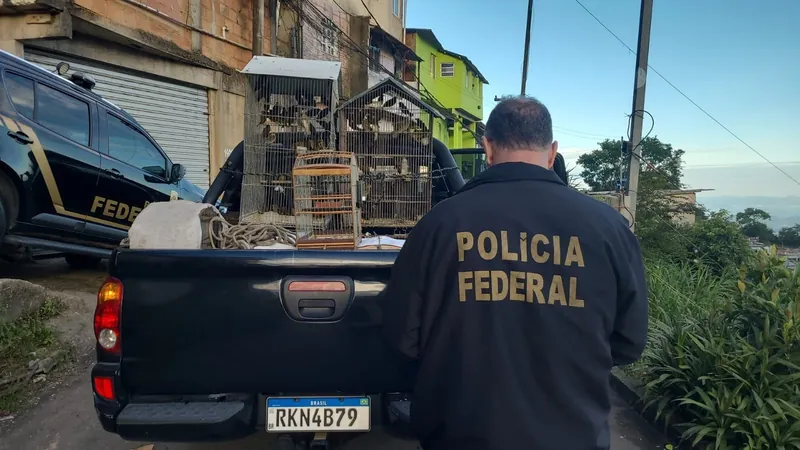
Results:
<point x="21" y="341"/>
<point x="722" y="363"/>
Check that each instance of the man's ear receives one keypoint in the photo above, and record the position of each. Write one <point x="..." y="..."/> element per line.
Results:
<point x="487" y="148"/>
<point x="551" y="155"/>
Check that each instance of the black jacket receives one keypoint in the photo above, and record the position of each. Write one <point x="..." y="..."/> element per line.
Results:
<point x="516" y="297"/>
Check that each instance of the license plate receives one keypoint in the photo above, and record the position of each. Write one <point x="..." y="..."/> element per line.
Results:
<point x="314" y="414"/>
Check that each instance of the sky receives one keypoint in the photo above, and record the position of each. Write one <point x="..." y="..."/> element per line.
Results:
<point x="737" y="59"/>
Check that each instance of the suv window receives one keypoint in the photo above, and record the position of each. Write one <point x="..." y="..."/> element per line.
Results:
<point x="64" y="114"/>
<point x="129" y="145"/>
<point x="21" y="91"/>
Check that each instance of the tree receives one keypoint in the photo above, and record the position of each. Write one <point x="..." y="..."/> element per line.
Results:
<point x="663" y="170"/>
<point x="718" y="243"/>
<point x="789" y="236"/>
<point x="752" y="223"/>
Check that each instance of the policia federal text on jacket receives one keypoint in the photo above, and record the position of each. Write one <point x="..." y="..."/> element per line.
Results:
<point x="513" y="299"/>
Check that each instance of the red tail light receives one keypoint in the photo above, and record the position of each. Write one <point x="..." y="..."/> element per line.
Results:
<point x="317" y="286"/>
<point x="104" y="387"/>
<point x="107" y="315"/>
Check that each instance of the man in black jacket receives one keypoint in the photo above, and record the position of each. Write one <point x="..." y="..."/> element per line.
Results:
<point x="515" y="298"/>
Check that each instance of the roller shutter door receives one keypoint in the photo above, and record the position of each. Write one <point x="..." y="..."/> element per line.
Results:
<point x="175" y="115"/>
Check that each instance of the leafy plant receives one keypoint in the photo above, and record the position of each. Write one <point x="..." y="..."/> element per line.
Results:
<point x="729" y="378"/>
<point x="717" y="243"/>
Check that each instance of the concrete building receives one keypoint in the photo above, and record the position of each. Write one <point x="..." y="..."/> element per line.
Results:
<point x="366" y="37"/>
<point x="452" y="83"/>
<point x="171" y="63"/>
<point x="678" y="197"/>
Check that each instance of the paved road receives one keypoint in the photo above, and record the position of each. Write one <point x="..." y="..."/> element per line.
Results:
<point x="66" y="421"/>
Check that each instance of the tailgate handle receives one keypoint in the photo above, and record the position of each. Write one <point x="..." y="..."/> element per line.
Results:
<point x="316" y="308"/>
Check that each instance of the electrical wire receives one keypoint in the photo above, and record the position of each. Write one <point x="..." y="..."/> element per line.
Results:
<point x="654" y="168"/>
<point x="354" y="46"/>
<point x="735" y="136"/>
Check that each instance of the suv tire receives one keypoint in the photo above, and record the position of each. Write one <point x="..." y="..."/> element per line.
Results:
<point x="9" y="205"/>
<point x="82" y="262"/>
<point x="3" y="221"/>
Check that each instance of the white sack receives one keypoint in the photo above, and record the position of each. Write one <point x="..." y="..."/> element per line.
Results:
<point x="275" y="246"/>
<point x="380" y="243"/>
<point x="177" y="224"/>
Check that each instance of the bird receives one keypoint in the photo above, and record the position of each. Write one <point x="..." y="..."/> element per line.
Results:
<point x="404" y="109"/>
<point x="366" y="125"/>
<point x="376" y="102"/>
<point x="390" y="102"/>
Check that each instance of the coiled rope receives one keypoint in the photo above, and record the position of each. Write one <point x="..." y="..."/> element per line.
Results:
<point x="225" y="236"/>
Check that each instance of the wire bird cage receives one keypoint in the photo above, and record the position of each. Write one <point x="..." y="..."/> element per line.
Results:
<point x="325" y="200"/>
<point x="288" y="112"/>
<point x="388" y="128"/>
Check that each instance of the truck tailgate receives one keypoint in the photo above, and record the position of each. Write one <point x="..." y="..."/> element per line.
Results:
<point x="202" y="322"/>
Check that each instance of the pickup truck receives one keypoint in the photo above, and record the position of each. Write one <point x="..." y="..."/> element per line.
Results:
<point x="201" y="345"/>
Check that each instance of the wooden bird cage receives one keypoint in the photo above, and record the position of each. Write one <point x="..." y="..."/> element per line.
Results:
<point x="288" y="111"/>
<point x="389" y="129"/>
<point x="325" y="201"/>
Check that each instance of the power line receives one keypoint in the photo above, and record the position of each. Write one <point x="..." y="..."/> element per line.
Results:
<point x="689" y="99"/>
<point x="355" y="47"/>
<point x="429" y="93"/>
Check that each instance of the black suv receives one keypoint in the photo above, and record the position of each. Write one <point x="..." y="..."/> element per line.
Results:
<point x="75" y="170"/>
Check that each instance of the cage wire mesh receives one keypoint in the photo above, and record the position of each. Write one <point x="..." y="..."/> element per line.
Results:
<point x="285" y="116"/>
<point x="389" y="130"/>
<point x="325" y="199"/>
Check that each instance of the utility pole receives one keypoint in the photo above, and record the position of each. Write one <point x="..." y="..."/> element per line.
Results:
<point x="637" y="114"/>
<point x="273" y="26"/>
<point x="527" y="48"/>
<point x="258" y="27"/>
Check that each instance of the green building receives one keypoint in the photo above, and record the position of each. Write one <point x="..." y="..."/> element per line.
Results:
<point x="453" y="84"/>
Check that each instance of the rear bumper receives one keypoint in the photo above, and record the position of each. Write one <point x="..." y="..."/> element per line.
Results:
<point x="199" y="419"/>
<point x="165" y="419"/>
<point x="186" y="422"/>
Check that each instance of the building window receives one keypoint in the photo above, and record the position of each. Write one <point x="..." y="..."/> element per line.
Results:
<point x="448" y="70"/>
<point x="398" y="67"/>
<point x="396" y="7"/>
<point x="467" y="77"/>
<point x="329" y="38"/>
<point x="374" y="59"/>
<point x="433" y="65"/>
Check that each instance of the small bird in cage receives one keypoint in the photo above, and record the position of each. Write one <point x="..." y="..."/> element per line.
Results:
<point x="404" y="109"/>
<point x="389" y="103"/>
<point x="376" y="102"/>
<point x="305" y="124"/>
<point x="265" y="127"/>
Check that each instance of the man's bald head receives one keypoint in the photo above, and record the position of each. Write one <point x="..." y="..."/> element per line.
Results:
<point x="520" y="129"/>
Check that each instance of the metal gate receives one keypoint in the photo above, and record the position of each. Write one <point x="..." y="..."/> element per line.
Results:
<point x="175" y="115"/>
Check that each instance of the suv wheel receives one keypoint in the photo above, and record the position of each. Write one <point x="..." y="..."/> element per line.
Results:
<point x="82" y="262"/>
<point x="9" y="205"/>
<point x="3" y="221"/>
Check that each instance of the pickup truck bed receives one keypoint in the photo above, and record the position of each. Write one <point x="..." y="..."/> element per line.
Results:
<point x="199" y="339"/>
<point x="209" y="334"/>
